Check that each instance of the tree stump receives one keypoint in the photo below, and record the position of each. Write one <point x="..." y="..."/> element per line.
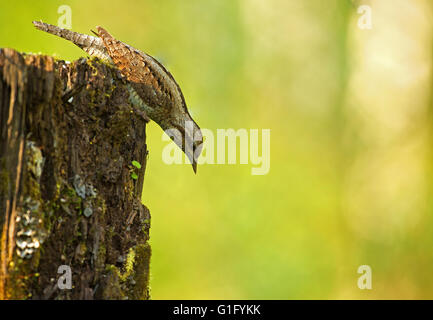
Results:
<point x="72" y="161"/>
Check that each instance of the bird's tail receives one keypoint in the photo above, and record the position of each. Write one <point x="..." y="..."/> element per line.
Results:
<point x="80" y="39"/>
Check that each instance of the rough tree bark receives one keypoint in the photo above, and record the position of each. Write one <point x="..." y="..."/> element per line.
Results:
<point x="69" y="192"/>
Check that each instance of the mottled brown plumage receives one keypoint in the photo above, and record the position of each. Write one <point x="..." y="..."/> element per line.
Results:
<point x="152" y="88"/>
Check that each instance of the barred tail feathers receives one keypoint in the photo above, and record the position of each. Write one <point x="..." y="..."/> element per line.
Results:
<point x="92" y="45"/>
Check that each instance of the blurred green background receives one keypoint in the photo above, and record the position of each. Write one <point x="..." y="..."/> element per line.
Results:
<point x="350" y="113"/>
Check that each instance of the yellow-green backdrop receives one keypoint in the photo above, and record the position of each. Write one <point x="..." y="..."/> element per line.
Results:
<point x="350" y="113"/>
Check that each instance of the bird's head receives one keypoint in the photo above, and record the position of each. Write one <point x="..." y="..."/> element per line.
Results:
<point x="187" y="135"/>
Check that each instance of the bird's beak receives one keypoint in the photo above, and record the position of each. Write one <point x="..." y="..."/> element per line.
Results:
<point x="188" y="138"/>
<point x="191" y="154"/>
<point x="194" y="139"/>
